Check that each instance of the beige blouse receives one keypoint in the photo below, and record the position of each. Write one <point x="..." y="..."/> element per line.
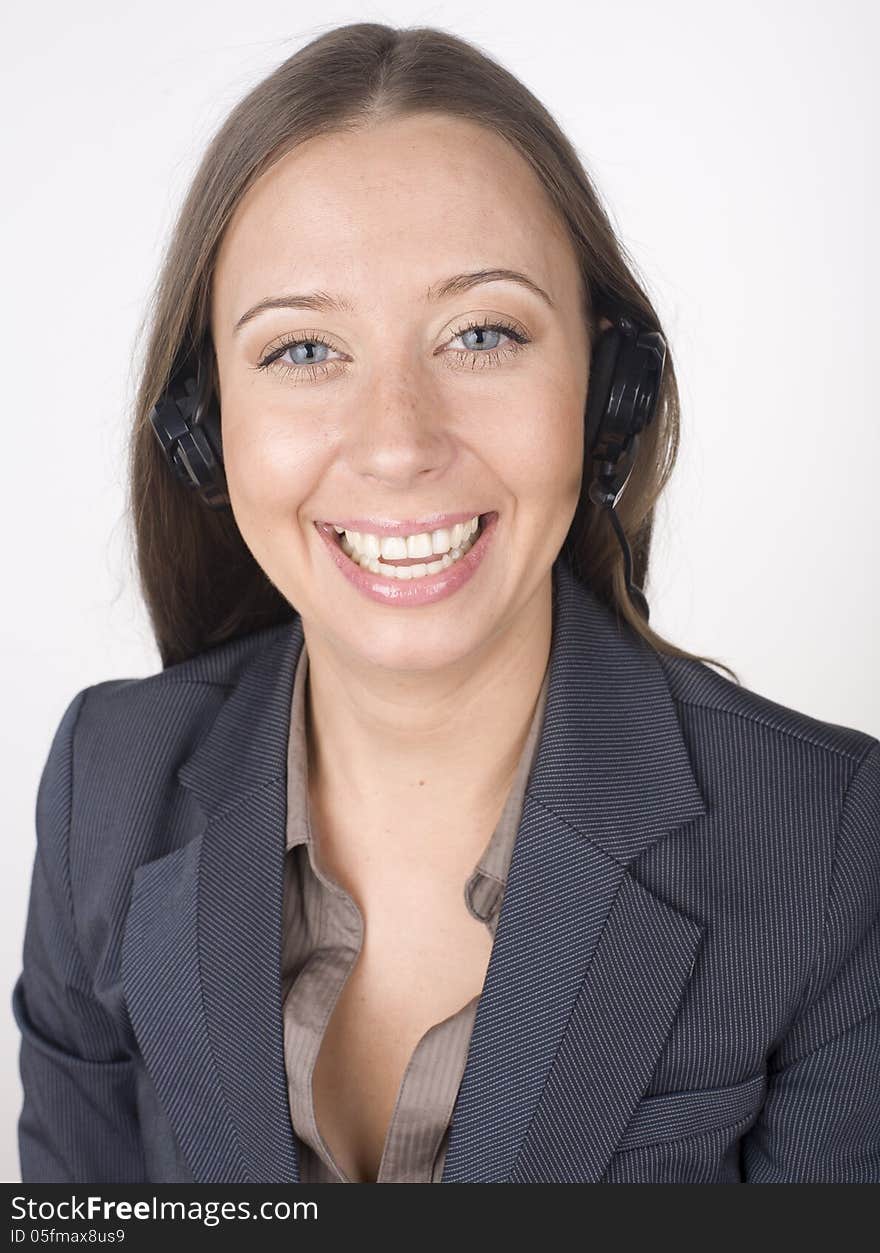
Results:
<point x="323" y="934"/>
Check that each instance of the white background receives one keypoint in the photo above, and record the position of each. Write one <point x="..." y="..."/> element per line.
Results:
<point x="735" y="151"/>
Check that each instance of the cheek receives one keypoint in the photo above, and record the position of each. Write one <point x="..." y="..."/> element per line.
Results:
<point x="266" y="459"/>
<point x="544" y="444"/>
<point x="564" y="434"/>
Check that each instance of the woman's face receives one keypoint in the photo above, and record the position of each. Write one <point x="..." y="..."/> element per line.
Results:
<point x="384" y="405"/>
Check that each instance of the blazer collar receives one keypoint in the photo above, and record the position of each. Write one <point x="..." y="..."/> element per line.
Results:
<point x="563" y="1043"/>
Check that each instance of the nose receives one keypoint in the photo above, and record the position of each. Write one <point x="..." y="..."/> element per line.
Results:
<point x="402" y="431"/>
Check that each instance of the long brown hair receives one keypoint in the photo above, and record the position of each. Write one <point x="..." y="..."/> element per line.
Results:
<point x="201" y="584"/>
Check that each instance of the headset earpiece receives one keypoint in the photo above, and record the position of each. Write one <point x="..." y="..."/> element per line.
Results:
<point x="625" y="376"/>
<point x="186" y="420"/>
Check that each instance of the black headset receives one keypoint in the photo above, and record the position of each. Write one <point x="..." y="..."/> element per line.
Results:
<point x="625" y="376"/>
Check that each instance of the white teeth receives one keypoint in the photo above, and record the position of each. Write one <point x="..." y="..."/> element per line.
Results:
<point x="462" y="538"/>
<point x="441" y="541"/>
<point x="426" y="544"/>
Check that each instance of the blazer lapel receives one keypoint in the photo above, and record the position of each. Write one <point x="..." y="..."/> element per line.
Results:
<point x="587" y="968"/>
<point x="202" y="942"/>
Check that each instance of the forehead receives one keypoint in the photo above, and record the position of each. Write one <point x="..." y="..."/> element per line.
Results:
<point x="408" y="200"/>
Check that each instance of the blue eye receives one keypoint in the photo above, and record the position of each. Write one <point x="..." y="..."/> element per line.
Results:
<point x="480" y="353"/>
<point x="495" y="328"/>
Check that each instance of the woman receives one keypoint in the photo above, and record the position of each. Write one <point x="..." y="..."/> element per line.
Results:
<point x="424" y="857"/>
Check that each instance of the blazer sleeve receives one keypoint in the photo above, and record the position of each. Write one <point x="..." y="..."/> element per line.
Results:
<point x="79" y="1120"/>
<point x="820" y="1122"/>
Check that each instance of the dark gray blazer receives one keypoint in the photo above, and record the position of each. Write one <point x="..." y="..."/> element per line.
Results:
<point x="684" y="984"/>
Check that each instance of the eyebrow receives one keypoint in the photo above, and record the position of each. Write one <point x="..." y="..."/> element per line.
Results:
<point x="454" y="286"/>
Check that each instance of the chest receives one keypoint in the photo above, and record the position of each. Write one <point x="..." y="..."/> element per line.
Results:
<point x="375" y="1026"/>
<point x="424" y="956"/>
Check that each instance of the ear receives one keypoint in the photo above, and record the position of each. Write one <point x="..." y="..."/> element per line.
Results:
<point x="604" y="324"/>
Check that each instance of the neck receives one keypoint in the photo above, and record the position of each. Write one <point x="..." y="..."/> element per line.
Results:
<point x="428" y="744"/>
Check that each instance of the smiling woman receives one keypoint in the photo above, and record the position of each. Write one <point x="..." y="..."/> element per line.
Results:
<point x="408" y="253"/>
<point x="419" y="394"/>
<point x="409" y="695"/>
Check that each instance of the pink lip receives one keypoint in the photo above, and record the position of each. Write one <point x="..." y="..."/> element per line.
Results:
<point x="424" y="591"/>
<point x="409" y="526"/>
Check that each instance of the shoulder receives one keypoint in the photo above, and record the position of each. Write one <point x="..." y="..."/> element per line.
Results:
<point x="124" y="740"/>
<point x="121" y="741"/>
<point x="799" y="794"/>
<point x="769" y="764"/>
<point x="787" y="858"/>
<point x="731" y="712"/>
<point x="161" y="715"/>
<point x="108" y="796"/>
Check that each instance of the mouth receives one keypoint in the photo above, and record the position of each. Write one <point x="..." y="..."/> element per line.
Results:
<point x="341" y="542"/>
<point x="411" y="581"/>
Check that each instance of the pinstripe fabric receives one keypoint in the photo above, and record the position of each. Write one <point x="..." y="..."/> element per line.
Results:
<point x="684" y="983"/>
<point x="323" y="936"/>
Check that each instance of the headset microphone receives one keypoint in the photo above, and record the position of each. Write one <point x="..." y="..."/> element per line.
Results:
<point x="625" y="377"/>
